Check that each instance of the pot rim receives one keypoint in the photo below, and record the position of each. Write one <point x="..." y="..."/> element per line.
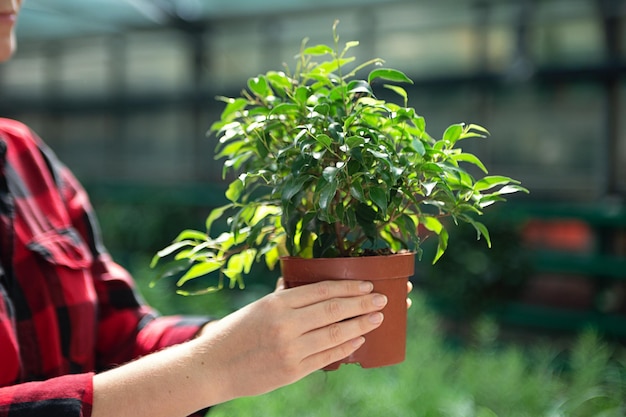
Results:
<point x="398" y="265"/>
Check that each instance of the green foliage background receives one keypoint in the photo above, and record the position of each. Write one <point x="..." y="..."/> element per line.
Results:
<point x="487" y="377"/>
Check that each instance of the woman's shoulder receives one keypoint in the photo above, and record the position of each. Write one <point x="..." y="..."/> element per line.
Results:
<point x="16" y="131"/>
<point x="13" y="127"/>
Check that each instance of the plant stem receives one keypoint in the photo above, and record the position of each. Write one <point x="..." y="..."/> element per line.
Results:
<point x="339" y="238"/>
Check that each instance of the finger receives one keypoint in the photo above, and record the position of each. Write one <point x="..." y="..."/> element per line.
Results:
<point x="338" y="309"/>
<point x="322" y="359"/>
<point x="280" y="284"/>
<point x="339" y="340"/>
<point x="307" y="295"/>
<point x="335" y="334"/>
<point x="409" y="287"/>
<point x="409" y="303"/>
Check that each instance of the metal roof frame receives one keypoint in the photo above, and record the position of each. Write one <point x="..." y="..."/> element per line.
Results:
<point x="43" y="19"/>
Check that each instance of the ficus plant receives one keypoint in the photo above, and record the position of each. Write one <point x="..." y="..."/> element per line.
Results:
<point x="322" y="167"/>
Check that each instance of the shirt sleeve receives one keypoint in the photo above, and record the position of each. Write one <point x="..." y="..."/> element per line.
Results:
<point x="127" y="327"/>
<point x="70" y="395"/>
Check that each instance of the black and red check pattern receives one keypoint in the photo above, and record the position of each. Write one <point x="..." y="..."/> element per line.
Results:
<point x="66" y="309"/>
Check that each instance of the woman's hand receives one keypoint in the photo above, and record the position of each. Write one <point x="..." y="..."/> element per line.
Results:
<point x="290" y="333"/>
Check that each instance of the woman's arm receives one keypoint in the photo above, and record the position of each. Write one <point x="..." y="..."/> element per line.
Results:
<point x="270" y="343"/>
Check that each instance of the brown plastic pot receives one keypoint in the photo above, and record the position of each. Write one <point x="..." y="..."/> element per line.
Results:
<point x="386" y="345"/>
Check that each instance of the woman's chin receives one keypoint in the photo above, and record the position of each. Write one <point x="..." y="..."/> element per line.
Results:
<point x="6" y="49"/>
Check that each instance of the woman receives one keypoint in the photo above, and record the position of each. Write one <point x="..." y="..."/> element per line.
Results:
<point x="76" y="341"/>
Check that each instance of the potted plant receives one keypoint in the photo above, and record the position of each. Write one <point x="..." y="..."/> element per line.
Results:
<point x="326" y="172"/>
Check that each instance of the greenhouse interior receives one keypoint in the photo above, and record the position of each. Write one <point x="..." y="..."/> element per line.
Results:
<point x="125" y="91"/>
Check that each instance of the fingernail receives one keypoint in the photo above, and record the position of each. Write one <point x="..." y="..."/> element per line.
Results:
<point x="379" y="300"/>
<point x="376" y="318"/>
<point x="358" y="342"/>
<point x="366" y="287"/>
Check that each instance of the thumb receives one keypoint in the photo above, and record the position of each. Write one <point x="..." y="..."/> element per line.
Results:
<point x="280" y="284"/>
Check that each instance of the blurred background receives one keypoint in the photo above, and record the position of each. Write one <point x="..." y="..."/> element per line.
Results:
<point x="124" y="91"/>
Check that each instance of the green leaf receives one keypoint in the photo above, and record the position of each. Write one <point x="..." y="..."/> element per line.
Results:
<point x="481" y="230"/>
<point x="246" y="212"/>
<point x="420" y="123"/>
<point x="279" y="80"/>
<point x="359" y="86"/>
<point x="258" y="85"/>
<point x="264" y="210"/>
<point x="453" y="133"/>
<point x="322" y="108"/>
<point x="241" y="262"/>
<point x="327" y="193"/>
<point x="200" y="269"/>
<point x="354" y="141"/>
<point x="398" y="90"/>
<point x="487" y="200"/>
<point x="318" y="50"/>
<point x="272" y="257"/>
<point x="233" y="107"/>
<point x="470" y="158"/>
<point x="324" y="140"/>
<point x="230" y="149"/>
<point x="330" y="173"/>
<point x="190" y="234"/>
<point x="378" y="154"/>
<point x="236" y="161"/>
<point x="169" y="250"/>
<point x="467" y="135"/>
<point x="356" y="191"/>
<point x="432" y="167"/>
<point x="407" y="223"/>
<point x="493" y="181"/>
<point x="234" y="276"/>
<point x="215" y="214"/>
<point x="336" y="132"/>
<point x="442" y="244"/>
<point x="357" y="158"/>
<point x="326" y="68"/>
<point x="365" y="216"/>
<point x="350" y="44"/>
<point x="418" y="146"/>
<point x="478" y="128"/>
<point x="389" y="75"/>
<point x="286" y="108"/>
<point x="429" y="186"/>
<point x="431" y="223"/>
<point x="379" y="197"/>
<point x="293" y="186"/>
<point x="337" y="94"/>
<point x="302" y="95"/>
<point x="234" y="190"/>
<point x="510" y="189"/>
<point x="208" y="290"/>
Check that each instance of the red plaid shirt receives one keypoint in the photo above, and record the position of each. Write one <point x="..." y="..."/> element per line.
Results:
<point x="66" y="309"/>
